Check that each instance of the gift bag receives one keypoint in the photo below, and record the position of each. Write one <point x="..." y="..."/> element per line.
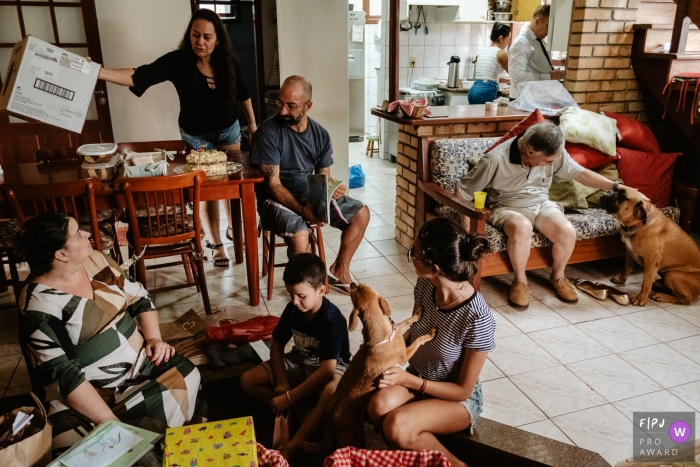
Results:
<point x="357" y="176"/>
<point x="250" y="330"/>
<point x="34" y="450"/>
<point x="280" y="436"/>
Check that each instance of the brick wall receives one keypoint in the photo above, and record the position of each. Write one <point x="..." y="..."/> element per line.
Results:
<point x="407" y="157"/>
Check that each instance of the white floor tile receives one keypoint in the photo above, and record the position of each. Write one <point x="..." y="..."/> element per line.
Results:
<point x="663" y="364"/>
<point x="601" y="429"/>
<point x="587" y="309"/>
<point x="536" y="317"/>
<point x="617" y="334"/>
<point x="662" y="324"/>
<point x="690" y="347"/>
<point x="557" y="390"/>
<point x="568" y="344"/>
<point x="613" y="378"/>
<point x="520" y="354"/>
<point x="660" y="401"/>
<point x="372" y="267"/>
<point x="505" y="403"/>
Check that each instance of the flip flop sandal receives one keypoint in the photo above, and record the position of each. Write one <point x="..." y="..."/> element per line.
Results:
<point x="339" y="286"/>
<point x="218" y="262"/>
<point x="229" y="229"/>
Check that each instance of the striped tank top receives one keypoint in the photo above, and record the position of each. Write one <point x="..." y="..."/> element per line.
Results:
<point x="487" y="66"/>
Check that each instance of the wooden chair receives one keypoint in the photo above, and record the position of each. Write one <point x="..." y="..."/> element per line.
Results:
<point x="8" y="233"/>
<point x="56" y="154"/>
<point x="75" y="198"/>
<point x="160" y="226"/>
<point x="150" y="146"/>
<point x="268" y="257"/>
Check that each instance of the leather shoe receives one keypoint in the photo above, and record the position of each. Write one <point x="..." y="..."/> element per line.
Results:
<point x="518" y="295"/>
<point x="565" y="291"/>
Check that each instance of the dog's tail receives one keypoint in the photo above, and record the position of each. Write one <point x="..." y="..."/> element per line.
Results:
<point x="323" y="445"/>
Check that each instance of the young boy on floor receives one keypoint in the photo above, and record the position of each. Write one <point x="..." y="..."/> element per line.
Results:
<point x="320" y="354"/>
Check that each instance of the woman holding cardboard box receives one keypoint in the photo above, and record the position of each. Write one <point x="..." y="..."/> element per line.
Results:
<point x="208" y="80"/>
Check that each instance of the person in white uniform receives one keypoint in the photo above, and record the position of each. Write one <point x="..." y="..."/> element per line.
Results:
<point x="492" y="61"/>
<point x="528" y="57"/>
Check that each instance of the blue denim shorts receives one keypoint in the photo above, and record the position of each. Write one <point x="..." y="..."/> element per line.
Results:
<point x="482" y="91"/>
<point x="225" y="137"/>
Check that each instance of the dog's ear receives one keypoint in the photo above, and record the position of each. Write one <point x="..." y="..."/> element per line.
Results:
<point x="384" y="306"/>
<point x="352" y="324"/>
<point x="640" y="212"/>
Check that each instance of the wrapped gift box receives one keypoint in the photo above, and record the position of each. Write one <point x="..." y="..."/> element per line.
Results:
<point x="226" y="442"/>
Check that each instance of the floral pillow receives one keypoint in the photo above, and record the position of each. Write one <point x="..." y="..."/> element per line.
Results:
<point x="589" y="128"/>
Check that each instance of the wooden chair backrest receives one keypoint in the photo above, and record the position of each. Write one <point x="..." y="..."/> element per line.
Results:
<point x="164" y="201"/>
<point x="149" y="146"/>
<point x="55" y="154"/>
<point x="72" y="197"/>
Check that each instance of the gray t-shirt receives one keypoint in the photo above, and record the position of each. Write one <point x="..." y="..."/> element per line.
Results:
<point x="501" y="174"/>
<point x="296" y="153"/>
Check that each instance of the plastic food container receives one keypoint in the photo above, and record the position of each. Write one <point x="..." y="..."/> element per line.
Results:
<point x="104" y="171"/>
<point x="97" y="153"/>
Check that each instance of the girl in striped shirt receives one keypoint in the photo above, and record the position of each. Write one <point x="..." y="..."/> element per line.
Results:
<point x="439" y="393"/>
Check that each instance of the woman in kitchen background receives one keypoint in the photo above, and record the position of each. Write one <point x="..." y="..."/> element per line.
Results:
<point x="208" y="79"/>
<point x="492" y="61"/>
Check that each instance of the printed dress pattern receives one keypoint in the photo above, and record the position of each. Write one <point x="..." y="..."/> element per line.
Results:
<point x="67" y="340"/>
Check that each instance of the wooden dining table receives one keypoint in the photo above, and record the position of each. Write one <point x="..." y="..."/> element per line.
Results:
<point x="238" y="187"/>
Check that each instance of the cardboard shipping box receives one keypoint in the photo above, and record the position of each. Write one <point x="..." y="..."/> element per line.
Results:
<point x="48" y="84"/>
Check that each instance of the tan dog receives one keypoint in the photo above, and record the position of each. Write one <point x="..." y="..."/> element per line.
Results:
<point x="383" y="348"/>
<point x="656" y="243"/>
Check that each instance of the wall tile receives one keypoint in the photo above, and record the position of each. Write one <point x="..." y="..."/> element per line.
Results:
<point x="434" y="35"/>
<point x="416" y="51"/>
<point x="447" y="33"/>
<point x="415" y="39"/>
<point x="432" y="56"/>
<point x="431" y="72"/>
<point x="403" y="55"/>
<point x="446" y="51"/>
<point x="463" y="33"/>
<point x="462" y="51"/>
<point x="443" y="72"/>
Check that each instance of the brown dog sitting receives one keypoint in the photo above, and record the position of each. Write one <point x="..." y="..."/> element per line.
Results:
<point x="656" y="243"/>
<point x="383" y="348"/>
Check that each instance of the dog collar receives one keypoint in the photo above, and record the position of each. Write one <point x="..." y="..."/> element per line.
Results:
<point x="628" y="231"/>
<point x="388" y="339"/>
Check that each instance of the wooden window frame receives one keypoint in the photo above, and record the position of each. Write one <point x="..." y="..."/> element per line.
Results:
<point x="369" y="19"/>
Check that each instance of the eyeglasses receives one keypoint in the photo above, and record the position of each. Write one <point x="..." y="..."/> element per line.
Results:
<point x="290" y="107"/>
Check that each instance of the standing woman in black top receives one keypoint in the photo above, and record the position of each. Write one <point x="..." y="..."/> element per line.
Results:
<point x="208" y="80"/>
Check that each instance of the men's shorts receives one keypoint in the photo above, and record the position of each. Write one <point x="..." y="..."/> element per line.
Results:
<point x="537" y="215"/>
<point x="285" y="223"/>
<point x="299" y="369"/>
<point x="225" y="137"/>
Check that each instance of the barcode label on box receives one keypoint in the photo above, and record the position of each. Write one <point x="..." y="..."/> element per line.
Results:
<point x="53" y="89"/>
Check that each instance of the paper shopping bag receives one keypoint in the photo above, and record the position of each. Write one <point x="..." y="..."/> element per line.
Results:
<point x="34" y="451"/>
<point x="280" y="436"/>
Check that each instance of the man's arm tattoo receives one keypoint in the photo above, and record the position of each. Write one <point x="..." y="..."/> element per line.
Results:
<point x="269" y="171"/>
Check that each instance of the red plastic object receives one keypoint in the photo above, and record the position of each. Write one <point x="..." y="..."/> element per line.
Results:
<point x="250" y="330"/>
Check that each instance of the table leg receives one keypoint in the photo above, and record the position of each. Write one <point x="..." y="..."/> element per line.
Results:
<point x="237" y="230"/>
<point x="251" y="242"/>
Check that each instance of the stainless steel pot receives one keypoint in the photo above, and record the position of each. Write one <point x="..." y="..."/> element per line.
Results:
<point x="501" y="16"/>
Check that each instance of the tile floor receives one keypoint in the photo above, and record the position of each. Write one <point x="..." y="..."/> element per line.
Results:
<point x="575" y="373"/>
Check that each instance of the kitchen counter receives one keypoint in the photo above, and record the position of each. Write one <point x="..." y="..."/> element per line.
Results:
<point x="458" y="114"/>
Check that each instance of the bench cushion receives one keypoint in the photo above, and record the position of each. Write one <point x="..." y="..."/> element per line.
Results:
<point x="449" y="161"/>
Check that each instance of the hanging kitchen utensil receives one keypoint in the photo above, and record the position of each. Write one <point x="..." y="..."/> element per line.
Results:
<point x="425" y="20"/>
<point x="417" y="26"/>
<point x="405" y="25"/>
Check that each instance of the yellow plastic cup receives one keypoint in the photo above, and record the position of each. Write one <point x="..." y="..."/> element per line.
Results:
<point x="479" y="199"/>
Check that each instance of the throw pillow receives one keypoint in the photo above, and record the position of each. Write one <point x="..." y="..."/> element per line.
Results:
<point x="589" y="128"/>
<point x="634" y="134"/>
<point x="586" y="156"/>
<point x="568" y="195"/>
<point x="649" y="172"/>
<point x="533" y="118"/>
<point x="608" y="171"/>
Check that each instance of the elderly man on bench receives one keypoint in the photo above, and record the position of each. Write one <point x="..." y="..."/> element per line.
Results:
<point x="517" y="176"/>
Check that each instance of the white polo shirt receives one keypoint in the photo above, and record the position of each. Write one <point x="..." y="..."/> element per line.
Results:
<point x="526" y="61"/>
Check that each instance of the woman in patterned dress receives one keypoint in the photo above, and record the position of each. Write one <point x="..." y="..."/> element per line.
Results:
<point x="86" y="356"/>
<point x="439" y="393"/>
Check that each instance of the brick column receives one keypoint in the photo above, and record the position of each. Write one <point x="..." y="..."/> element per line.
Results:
<point x="408" y="154"/>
